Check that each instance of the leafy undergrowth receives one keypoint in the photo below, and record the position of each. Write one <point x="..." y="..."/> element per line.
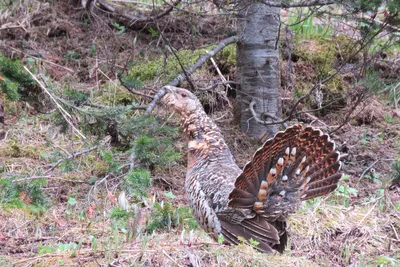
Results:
<point x="85" y="212"/>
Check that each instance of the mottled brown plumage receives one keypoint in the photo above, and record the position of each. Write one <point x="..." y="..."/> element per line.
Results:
<point x="298" y="164"/>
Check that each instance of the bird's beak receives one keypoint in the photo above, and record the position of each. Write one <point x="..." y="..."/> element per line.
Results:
<point x="165" y="100"/>
<point x="168" y="89"/>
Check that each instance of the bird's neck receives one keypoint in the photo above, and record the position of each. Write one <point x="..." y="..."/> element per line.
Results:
<point x="197" y="126"/>
<point x="206" y="143"/>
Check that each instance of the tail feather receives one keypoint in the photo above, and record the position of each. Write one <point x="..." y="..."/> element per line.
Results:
<point x="242" y="203"/>
<point x="322" y="177"/>
<point x="309" y="194"/>
<point x="257" y="229"/>
<point x="297" y="164"/>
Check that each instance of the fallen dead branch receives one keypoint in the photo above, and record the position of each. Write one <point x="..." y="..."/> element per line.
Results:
<point x="132" y="19"/>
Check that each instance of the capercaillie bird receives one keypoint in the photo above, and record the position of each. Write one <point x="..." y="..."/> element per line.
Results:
<point x="298" y="164"/>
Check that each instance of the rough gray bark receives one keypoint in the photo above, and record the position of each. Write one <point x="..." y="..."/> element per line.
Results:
<point x="258" y="65"/>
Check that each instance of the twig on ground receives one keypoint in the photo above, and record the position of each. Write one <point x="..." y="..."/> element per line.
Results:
<point x="367" y="169"/>
<point x="70" y="157"/>
<point x="223" y="79"/>
<point x="346" y="118"/>
<point x="169" y="257"/>
<point x="47" y="177"/>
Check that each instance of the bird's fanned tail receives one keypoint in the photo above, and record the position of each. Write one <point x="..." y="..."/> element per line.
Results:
<point x="298" y="164"/>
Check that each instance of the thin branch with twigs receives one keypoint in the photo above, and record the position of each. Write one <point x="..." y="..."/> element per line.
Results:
<point x="175" y="82"/>
<point x="70" y="157"/>
<point x="63" y="112"/>
<point x="189" y="80"/>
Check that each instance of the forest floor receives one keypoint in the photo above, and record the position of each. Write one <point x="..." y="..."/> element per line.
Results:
<point x="81" y="222"/>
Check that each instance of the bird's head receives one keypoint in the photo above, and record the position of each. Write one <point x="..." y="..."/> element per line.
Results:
<point x="181" y="100"/>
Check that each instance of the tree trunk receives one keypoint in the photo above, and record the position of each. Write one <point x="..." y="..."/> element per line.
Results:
<point x="258" y="68"/>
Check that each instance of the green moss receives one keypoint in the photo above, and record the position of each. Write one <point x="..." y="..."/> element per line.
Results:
<point x="99" y="168"/>
<point x="346" y="48"/>
<point x="320" y="53"/>
<point x="167" y="67"/>
<point x="324" y="56"/>
<point x="15" y="150"/>
<point x="74" y="176"/>
<point x="325" y="53"/>
<point x="115" y="96"/>
<point x="228" y="55"/>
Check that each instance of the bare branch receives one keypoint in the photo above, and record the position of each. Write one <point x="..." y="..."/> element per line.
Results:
<point x="70" y="157"/>
<point x="347" y="118"/>
<point x="175" y="82"/>
<point x="187" y="75"/>
<point x="131" y="89"/>
<point x="107" y="107"/>
<point x="273" y="117"/>
<point x="213" y="86"/>
<point x="301" y="3"/>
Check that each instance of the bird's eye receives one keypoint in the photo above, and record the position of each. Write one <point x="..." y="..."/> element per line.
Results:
<point x="183" y="94"/>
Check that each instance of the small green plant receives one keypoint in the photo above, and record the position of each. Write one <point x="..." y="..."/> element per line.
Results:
<point x="13" y="78"/>
<point x="75" y="95"/>
<point x="153" y="32"/>
<point x="253" y="242"/>
<point x="386" y="261"/>
<point x="110" y="159"/>
<point x="136" y="183"/>
<point x="45" y="249"/>
<point x="71" y="202"/>
<point x="364" y="139"/>
<point x="93" y="49"/>
<point x="155" y="151"/>
<point x="373" y="176"/>
<point x="117" y="213"/>
<point x="61" y="247"/>
<point x="166" y="216"/>
<point x="388" y="118"/>
<point x="20" y="194"/>
<point x="67" y="165"/>
<point x="346" y="251"/>
<point x="306" y="26"/>
<point x="71" y="56"/>
<point x="344" y="192"/>
<point x="121" y="28"/>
